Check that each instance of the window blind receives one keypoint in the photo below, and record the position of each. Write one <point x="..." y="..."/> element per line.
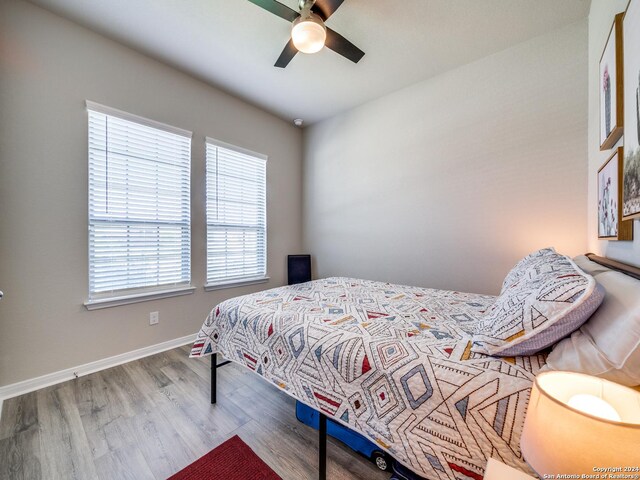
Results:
<point x="236" y="214"/>
<point x="139" y="204"/>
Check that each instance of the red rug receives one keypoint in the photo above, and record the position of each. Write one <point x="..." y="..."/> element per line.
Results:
<point x="233" y="460"/>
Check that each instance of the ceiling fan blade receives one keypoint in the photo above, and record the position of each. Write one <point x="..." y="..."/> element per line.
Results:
<point x="287" y="55"/>
<point x="344" y="47"/>
<point x="277" y="9"/>
<point x="326" y="8"/>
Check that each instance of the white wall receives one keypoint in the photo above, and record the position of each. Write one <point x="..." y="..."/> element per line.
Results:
<point x="448" y="182"/>
<point x="601" y="17"/>
<point x="48" y="67"/>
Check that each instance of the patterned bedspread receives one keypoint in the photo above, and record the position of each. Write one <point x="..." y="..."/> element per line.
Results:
<point x="391" y="362"/>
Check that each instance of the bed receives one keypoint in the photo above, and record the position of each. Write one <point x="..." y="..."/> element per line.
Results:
<point x="398" y="364"/>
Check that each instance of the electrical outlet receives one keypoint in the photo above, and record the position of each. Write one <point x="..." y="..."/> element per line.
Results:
<point x="154" y="318"/>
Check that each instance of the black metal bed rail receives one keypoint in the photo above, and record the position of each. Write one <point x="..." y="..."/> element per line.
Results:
<point x="322" y="428"/>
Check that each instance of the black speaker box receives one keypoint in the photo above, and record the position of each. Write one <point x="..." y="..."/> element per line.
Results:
<point x="299" y="268"/>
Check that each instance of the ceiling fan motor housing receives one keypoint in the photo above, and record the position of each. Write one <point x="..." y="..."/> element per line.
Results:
<point x="302" y="4"/>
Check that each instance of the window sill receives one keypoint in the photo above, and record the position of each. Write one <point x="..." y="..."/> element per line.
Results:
<point x="136" y="298"/>
<point x="233" y="284"/>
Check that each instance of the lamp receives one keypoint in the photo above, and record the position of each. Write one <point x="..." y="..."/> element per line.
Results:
<point x="577" y="423"/>
<point x="308" y="32"/>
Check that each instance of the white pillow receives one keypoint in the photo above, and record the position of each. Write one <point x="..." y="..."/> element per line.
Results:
<point x="608" y="344"/>
<point x="592" y="268"/>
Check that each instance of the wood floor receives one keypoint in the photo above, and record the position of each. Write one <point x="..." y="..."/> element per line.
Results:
<point x="150" y="418"/>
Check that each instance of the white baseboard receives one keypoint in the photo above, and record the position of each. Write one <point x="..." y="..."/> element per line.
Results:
<point x="26" y="386"/>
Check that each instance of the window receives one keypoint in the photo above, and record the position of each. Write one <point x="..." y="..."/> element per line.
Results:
<point x="236" y="215"/>
<point x="139" y="206"/>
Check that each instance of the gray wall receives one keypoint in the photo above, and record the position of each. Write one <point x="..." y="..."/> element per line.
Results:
<point x="601" y="17"/>
<point x="448" y="182"/>
<point x="48" y="67"/>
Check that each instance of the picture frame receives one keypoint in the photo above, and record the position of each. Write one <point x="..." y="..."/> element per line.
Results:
<point x="631" y="166"/>
<point x="610" y="224"/>
<point x="611" y="84"/>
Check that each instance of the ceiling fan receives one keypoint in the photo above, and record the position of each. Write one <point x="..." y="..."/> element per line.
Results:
<point x="308" y="31"/>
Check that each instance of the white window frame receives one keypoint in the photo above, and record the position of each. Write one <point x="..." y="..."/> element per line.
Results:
<point x="124" y="296"/>
<point x="231" y="283"/>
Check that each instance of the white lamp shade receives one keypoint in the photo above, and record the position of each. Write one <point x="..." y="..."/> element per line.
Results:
<point x="559" y="439"/>
<point x="308" y="33"/>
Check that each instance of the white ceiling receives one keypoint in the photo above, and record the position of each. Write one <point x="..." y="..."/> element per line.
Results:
<point x="233" y="44"/>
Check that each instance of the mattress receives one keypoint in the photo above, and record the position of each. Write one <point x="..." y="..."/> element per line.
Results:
<point x="392" y="362"/>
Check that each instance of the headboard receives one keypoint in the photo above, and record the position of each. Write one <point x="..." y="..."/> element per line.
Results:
<point x="615" y="265"/>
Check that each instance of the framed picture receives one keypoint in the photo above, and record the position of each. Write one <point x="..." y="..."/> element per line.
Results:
<point x="610" y="224"/>
<point x="631" y="170"/>
<point x="611" y="87"/>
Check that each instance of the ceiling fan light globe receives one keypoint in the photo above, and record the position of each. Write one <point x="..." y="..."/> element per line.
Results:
<point x="308" y="34"/>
